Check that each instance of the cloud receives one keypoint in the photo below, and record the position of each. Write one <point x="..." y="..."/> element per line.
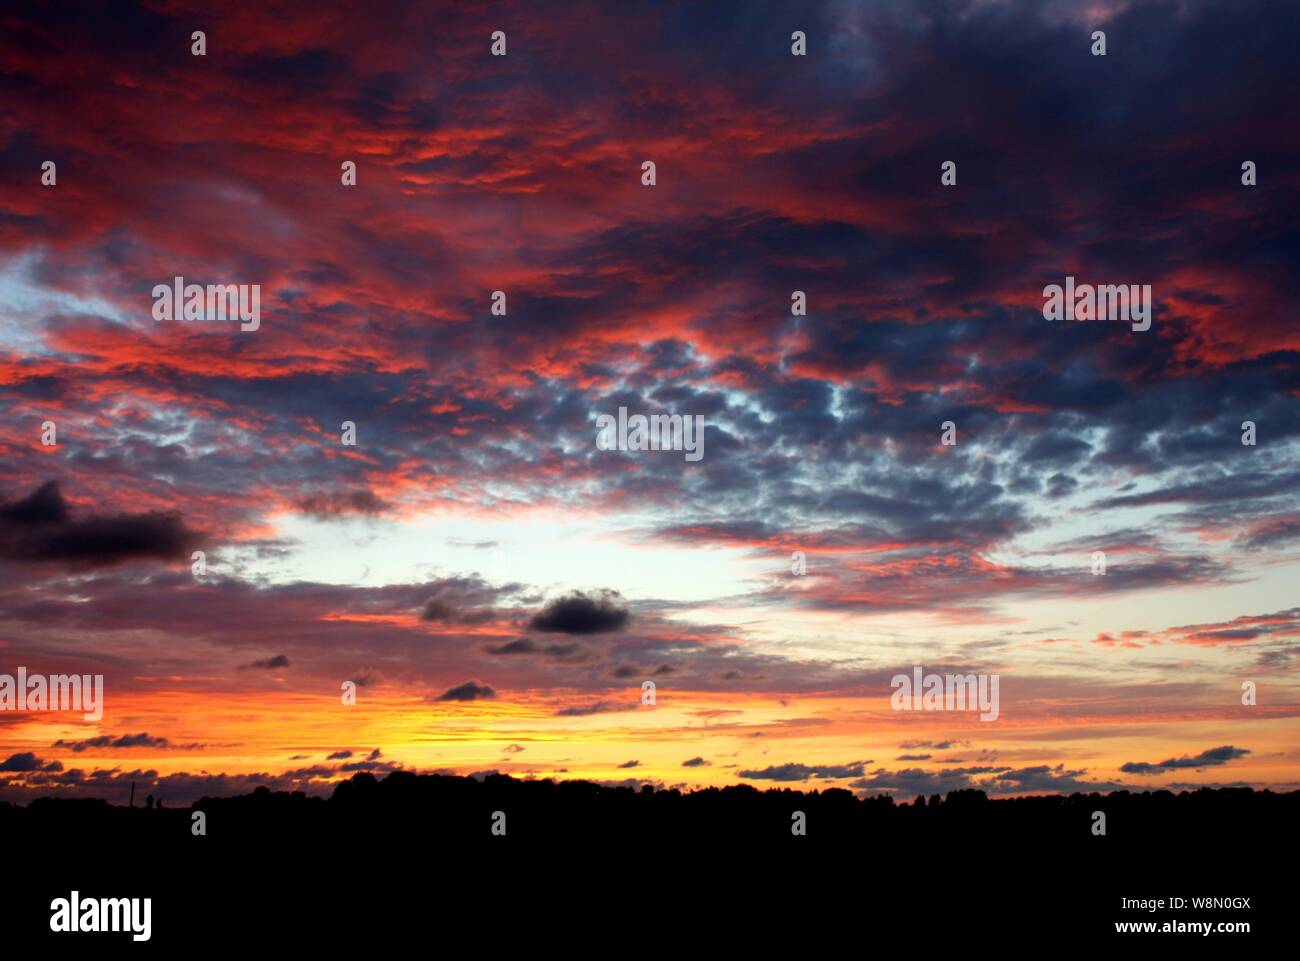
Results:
<point x="442" y="612"/>
<point x="523" y="645"/>
<point x="1001" y="779"/>
<point x="599" y="707"/>
<point x="526" y="645"/>
<point x="695" y="762"/>
<point x="459" y="601"/>
<point x="627" y="764"/>
<point x="1213" y="757"/>
<point x="341" y="504"/>
<point x="114" y="784"/>
<point x="122" y="741"/>
<point x="936" y="745"/>
<point x="39" y="528"/>
<point x="27" y="762"/>
<point x="580" y="613"/>
<point x="1272" y="532"/>
<point x="469" y="691"/>
<point x="371" y="766"/>
<point x="803" y="772"/>
<point x="1046" y="779"/>
<point x="267" y="664"/>
<point x="45" y="505"/>
<point x="339" y="756"/>
<point x="910" y="781"/>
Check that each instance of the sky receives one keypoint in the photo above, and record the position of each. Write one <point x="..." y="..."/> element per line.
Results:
<point x="498" y="588"/>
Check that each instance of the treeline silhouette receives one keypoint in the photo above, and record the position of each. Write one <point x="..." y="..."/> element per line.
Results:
<point x="411" y="853"/>
<point x="462" y="811"/>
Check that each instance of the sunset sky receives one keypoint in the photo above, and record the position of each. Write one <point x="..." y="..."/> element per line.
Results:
<point x="435" y="562"/>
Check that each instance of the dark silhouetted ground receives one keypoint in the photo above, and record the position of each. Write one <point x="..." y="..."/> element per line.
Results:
<point x="417" y="854"/>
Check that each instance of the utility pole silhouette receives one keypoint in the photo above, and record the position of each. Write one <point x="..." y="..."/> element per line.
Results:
<point x="132" y="794"/>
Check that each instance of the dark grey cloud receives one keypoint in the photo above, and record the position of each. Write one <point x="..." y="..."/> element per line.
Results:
<point x="991" y="779"/>
<point x="525" y="645"/>
<point x="937" y="745"/>
<point x="469" y="691"/>
<point x="1212" y="757"/>
<point x="267" y="663"/>
<point x="599" y="707"/>
<point x="459" y="601"/>
<point x="123" y="741"/>
<point x="909" y="781"/>
<point x="1046" y="779"/>
<point x="522" y="645"/>
<point x="803" y="772"/>
<point x="39" y="528"/>
<point x="582" y="613"/>
<point x="25" y="762"/>
<point x="329" y="504"/>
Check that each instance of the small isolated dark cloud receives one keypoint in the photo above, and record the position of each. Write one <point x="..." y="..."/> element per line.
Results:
<point x="370" y="763"/>
<point x="580" y="613"/>
<point x="40" y="527"/>
<point x="142" y="739"/>
<point x="374" y="767"/>
<point x="526" y="645"/>
<point x="630" y="764"/>
<point x="267" y="664"/>
<point x="513" y="748"/>
<point x="521" y="646"/>
<point x="469" y="691"/>
<point x="1214" y="757"/>
<point x="937" y="745"/>
<point x="913" y="757"/>
<point x="599" y="707"/>
<point x="342" y="504"/>
<point x="803" y="772"/>
<point x="695" y="762"/>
